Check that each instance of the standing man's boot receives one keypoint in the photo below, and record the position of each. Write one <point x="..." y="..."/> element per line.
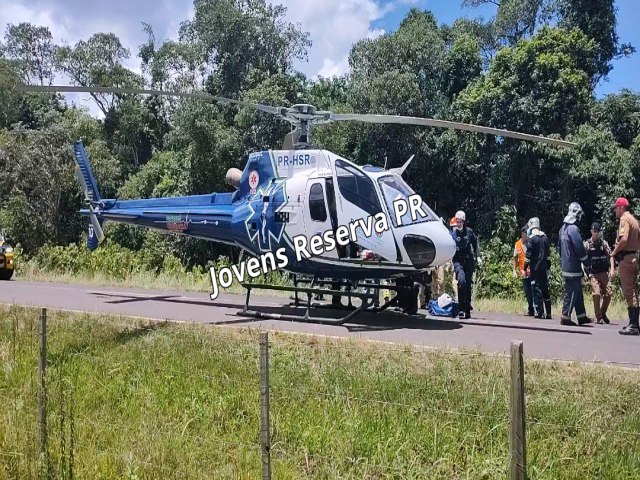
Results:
<point x="632" y="328"/>
<point x="547" y="307"/>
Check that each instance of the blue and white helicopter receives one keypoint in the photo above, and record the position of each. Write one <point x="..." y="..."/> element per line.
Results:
<point x="298" y="190"/>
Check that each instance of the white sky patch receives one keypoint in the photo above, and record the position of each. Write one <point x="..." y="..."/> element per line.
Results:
<point x="334" y="26"/>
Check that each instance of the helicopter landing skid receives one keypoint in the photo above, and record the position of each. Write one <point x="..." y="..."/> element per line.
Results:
<point x="310" y="291"/>
<point x="368" y="304"/>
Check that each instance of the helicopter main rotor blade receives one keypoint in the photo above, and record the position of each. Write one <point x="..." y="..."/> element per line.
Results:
<point x="206" y="96"/>
<point x="431" y="122"/>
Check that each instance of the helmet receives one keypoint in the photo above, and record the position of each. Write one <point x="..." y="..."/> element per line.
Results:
<point x="574" y="214"/>
<point x="460" y="214"/>
<point x="534" y="222"/>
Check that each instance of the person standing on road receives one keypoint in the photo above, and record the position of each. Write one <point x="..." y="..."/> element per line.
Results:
<point x="626" y="252"/>
<point x="538" y="263"/>
<point x="519" y="257"/>
<point x="572" y="256"/>
<point x="464" y="262"/>
<point x="601" y="271"/>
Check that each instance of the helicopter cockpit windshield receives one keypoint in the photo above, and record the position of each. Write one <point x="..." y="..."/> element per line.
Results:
<point x="393" y="188"/>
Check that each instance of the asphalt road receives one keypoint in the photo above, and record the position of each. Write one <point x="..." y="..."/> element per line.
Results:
<point x="490" y="332"/>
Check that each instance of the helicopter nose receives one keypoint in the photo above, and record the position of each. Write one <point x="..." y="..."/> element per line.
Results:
<point x="421" y="250"/>
<point x="435" y="248"/>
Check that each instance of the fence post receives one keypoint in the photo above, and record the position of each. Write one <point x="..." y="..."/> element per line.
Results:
<point x="42" y="398"/>
<point x="265" y="441"/>
<point x="517" y="439"/>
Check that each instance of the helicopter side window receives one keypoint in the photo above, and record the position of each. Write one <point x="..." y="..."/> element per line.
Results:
<point x="317" y="209"/>
<point x="357" y="188"/>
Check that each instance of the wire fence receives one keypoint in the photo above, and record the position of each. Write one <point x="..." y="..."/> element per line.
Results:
<point x="290" y="408"/>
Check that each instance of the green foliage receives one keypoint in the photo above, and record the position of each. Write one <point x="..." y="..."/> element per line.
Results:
<point x="597" y="19"/>
<point x="33" y="49"/>
<point x="620" y="114"/>
<point x="238" y="36"/>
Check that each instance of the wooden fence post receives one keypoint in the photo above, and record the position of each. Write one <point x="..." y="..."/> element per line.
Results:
<point x="42" y="397"/>
<point x="517" y="439"/>
<point x="265" y="440"/>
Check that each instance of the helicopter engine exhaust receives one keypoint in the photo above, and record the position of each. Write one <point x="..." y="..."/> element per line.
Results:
<point x="233" y="177"/>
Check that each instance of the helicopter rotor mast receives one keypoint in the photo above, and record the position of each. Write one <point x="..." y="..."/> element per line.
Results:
<point x="304" y="116"/>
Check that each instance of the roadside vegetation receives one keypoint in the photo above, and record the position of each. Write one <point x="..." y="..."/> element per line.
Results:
<point x="130" y="399"/>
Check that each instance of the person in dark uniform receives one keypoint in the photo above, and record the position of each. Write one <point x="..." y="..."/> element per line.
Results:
<point x="573" y="257"/>
<point x="538" y="263"/>
<point x="601" y="271"/>
<point x="464" y="262"/>
<point x="626" y="252"/>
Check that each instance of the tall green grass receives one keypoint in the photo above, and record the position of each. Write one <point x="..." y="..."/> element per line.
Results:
<point x="129" y="399"/>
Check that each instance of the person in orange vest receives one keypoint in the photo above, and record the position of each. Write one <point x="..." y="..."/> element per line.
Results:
<point x="519" y="256"/>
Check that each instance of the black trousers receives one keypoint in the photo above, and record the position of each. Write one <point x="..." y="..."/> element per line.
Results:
<point x="464" y="276"/>
<point x="540" y="287"/>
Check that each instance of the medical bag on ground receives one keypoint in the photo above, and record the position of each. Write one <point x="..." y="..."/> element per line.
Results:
<point x="444" y="306"/>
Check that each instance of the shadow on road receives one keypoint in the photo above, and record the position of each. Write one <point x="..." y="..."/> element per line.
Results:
<point x="365" y="322"/>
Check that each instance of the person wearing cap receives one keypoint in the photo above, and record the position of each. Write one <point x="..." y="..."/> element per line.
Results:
<point x="464" y="262"/>
<point x="572" y="258"/>
<point x="519" y="257"/>
<point x="537" y="262"/>
<point x="601" y="270"/>
<point x="625" y="251"/>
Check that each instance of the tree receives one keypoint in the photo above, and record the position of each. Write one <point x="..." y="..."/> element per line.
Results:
<point x="9" y="100"/>
<point x="597" y="19"/>
<point x="236" y="36"/>
<point x="35" y="51"/>
<point x="620" y="114"/>
<point x="99" y="62"/>
<point x="540" y="86"/>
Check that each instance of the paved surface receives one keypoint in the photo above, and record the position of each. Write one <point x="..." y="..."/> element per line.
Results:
<point x="488" y="331"/>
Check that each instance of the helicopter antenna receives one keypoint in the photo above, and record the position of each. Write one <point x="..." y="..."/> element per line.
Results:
<point x="385" y="162"/>
<point x="304" y="116"/>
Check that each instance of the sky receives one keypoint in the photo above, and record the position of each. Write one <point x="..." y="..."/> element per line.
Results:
<point x="334" y="26"/>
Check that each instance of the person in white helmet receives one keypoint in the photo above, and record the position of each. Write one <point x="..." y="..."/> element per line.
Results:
<point x="538" y="263"/>
<point x="464" y="262"/>
<point x="573" y="257"/>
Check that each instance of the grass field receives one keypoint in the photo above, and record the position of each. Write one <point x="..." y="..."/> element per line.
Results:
<point x="128" y="399"/>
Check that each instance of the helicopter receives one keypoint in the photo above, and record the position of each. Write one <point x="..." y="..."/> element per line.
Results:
<point x="299" y="192"/>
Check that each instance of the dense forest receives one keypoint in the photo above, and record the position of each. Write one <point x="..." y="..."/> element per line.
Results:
<point x="533" y="68"/>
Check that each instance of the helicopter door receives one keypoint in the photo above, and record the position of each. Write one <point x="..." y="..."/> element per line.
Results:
<point x="318" y="217"/>
<point x="357" y="198"/>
